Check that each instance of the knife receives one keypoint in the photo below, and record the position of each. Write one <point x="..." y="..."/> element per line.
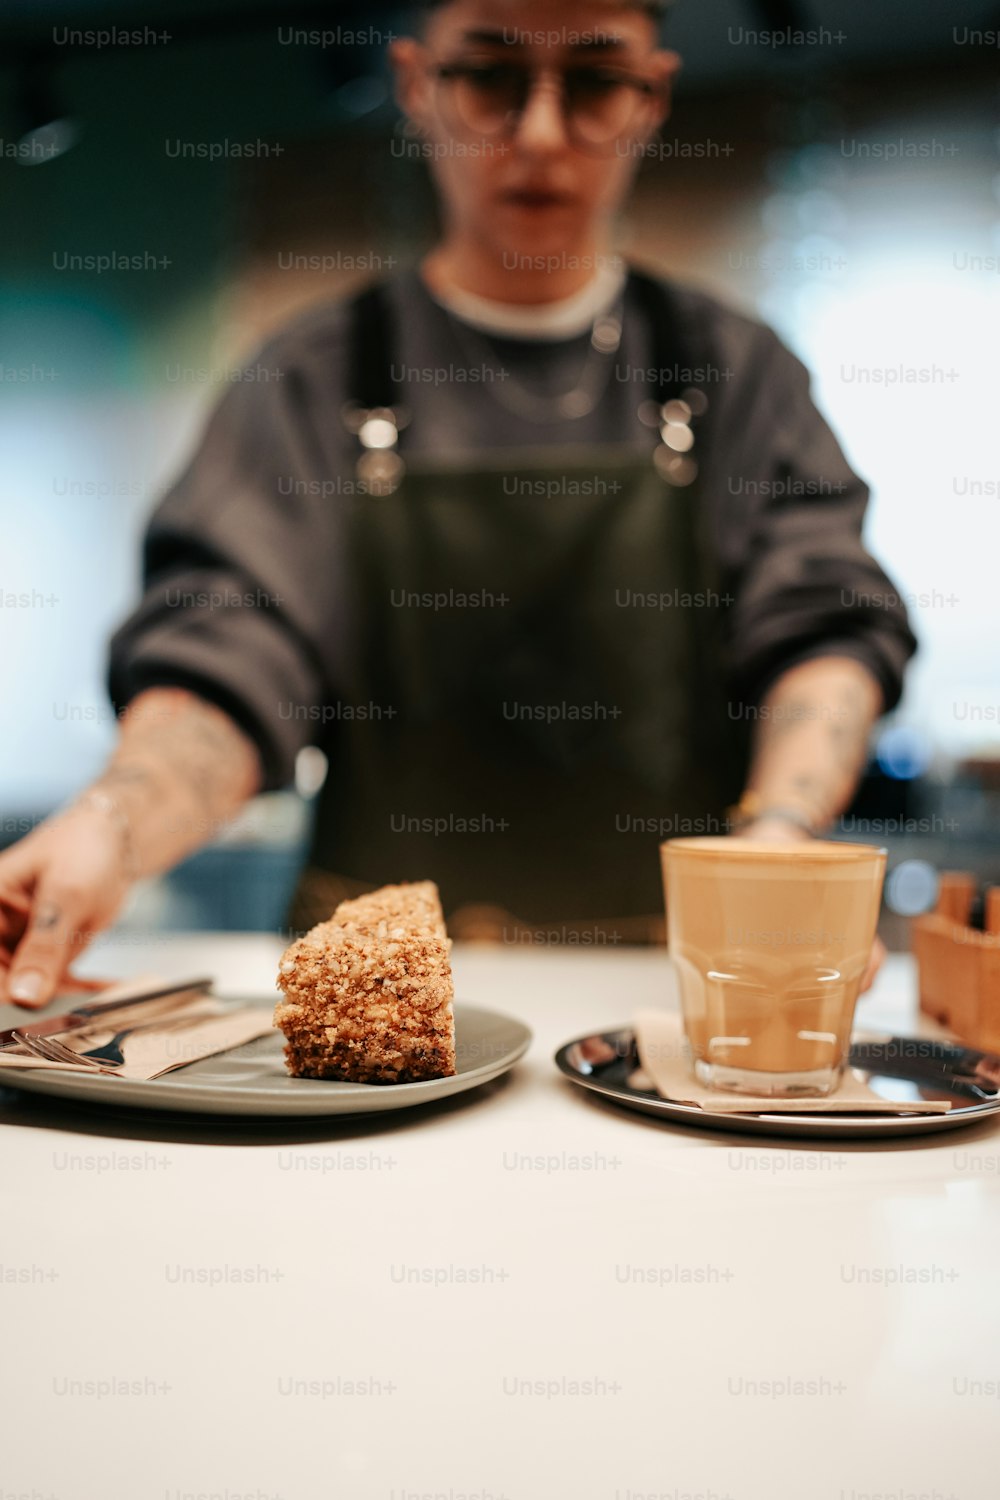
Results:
<point x="83" y="1014"/>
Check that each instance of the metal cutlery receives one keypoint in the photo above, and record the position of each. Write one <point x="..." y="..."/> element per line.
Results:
<point x="111" y="1054"/>
<point x="50" y="1049"/>
<point x="158" y="1014"/>
<point x="84" y="1015"/>
<point x="182" y="1025"/>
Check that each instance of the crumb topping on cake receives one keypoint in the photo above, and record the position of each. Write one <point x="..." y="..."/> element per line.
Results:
<point x="368" y="994"/>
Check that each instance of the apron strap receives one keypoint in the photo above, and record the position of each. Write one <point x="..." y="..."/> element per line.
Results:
<point x="371" y="349"/>
<point x="670" y="338"/>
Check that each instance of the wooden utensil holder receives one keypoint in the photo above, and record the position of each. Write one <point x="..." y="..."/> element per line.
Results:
<point x="959" y="966"/>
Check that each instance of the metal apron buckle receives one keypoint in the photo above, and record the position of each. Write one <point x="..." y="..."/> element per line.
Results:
<point x="379" y="468"/>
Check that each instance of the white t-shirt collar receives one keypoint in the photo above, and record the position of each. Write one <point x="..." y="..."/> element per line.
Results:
<point x="565" y="319"/>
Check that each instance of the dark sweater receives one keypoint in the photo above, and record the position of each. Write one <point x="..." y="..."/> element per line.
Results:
<point x="240" y="553"/>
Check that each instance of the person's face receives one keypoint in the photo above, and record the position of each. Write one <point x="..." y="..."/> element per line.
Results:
<point x="542" y="185"/>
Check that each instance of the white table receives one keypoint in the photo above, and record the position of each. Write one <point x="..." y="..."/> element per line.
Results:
<point x="523" y="1292"/>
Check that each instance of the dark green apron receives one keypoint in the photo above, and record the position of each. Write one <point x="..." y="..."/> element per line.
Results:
<point x="532" y="695"/>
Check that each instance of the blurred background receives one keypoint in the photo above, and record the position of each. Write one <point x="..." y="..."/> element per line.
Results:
<point x="176" y="179"/>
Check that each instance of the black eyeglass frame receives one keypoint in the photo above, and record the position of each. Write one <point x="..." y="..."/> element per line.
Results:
<point x="445" y="72"/>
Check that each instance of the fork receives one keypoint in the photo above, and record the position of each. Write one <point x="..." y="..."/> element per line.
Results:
<point x="104" y="1059"/>
<point x="111" y="1052"/>
<point x="54" y="1051"/>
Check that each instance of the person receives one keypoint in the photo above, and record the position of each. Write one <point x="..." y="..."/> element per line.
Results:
<point x="550" y="556"/>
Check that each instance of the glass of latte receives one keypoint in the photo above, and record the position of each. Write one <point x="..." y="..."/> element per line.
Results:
<point x="770" y="942"/>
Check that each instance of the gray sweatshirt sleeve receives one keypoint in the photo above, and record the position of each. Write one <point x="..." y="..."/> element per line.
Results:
<point x="241" y="563"/>
<point x="803" y="581"/>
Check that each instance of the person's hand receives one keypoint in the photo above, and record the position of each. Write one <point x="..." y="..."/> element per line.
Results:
<point x="59" y="886"/>
<point x="782" y="831"/>
<point x="875" y="961"/>
<point x="767" y="830"/>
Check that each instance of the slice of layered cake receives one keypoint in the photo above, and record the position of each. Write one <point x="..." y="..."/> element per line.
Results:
<point x="368" y="994"/>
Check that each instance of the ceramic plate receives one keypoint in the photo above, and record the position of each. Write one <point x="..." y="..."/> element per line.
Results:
<point x="607" y="1063"/>
<point x="251" y="1080"/>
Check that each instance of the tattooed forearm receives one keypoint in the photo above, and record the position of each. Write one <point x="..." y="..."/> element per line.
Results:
<point x="198" y="746"/>
<point x="181" y="770"/>
<point x="813" y="736"/>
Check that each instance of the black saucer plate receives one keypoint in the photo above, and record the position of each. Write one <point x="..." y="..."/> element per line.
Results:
<point x="903" y="1068"/>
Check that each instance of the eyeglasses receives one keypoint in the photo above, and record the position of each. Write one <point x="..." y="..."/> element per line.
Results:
<point x="600" y="105"/>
